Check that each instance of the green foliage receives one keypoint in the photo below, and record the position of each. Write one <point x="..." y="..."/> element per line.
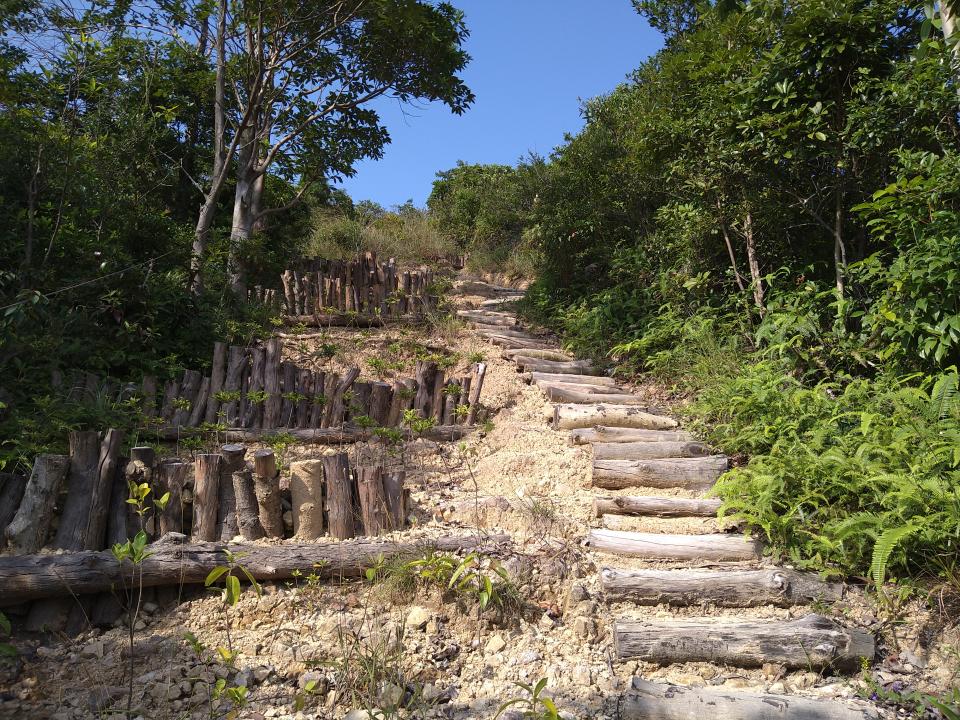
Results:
<point x="536" y="705"/>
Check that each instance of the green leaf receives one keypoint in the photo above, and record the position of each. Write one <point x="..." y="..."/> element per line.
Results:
<point x="215" y="574"/>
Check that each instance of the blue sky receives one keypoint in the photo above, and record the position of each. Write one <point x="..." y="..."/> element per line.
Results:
<point x="533" y="62"/>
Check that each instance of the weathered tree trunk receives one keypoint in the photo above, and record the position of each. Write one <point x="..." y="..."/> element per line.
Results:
<point x="604" y="434"/>
<point x="488" y="317"/>
<point x="248" y="510"/>
<point x="725" y="588"/>
<point x="82" y="478"/>
<point x="233" y="382"/>
<point x="266" y="485"/>
<point x="148" y="389"/>
<point x="397" y="498"/>
<point x="568" y="417"/>
<point x="35" y="576"/>
<point x="661" y="546"/>
<point x="187" y="396"/>
<point x="205" y="497"/>
<point x="340" y="507"/>
<point x="561" y="378"/>
<point x="810" y="642"/>
<point x="173" y="477"/>
<point x="271" y="385"/>
<point x="316" y="402"/>
<point x="381" y="395"/>
<point x="561" y="394"/>
<point x="426" y="374"/>
<point x="513" y="343"/>
<point x="650" y="701"/>
<point x="305" y="391"/>
<point x="306" y="495"/>
<point x="373" y="500"/>
<point x="568" y="367"/>
<point x="139" y="470"/>
<point x="288" y="374"/>
<point x="656" y="506"/>
<point x="476" y="385"/>
<point x="253" y="414"/>
<point x="649" y="450"/>
<point x="333" y="416"/>
<point x="493" y="331"/>
<point x="218" y="375"/>
<point x="233" y="461"/>
<point x="200" y="404"/>
<point x="689" y="473"/>
<point x="11" y="493"/>
<point x="552" y="355"/>
<point x="27" y="532"/>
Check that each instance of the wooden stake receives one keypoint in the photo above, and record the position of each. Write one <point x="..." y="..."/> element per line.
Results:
<point x="27" y="532"/>
<point x="267" y="487"/>
<point x="306" y="494"/>
<point x="248" y="510"/>
<point x="373" y="500"/>
<point x="205" y="497"/>
<point x="340" y="507"/>
<point x="233" y="461"/>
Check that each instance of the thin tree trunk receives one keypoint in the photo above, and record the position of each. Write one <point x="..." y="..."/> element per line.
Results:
<point x="218" y="176"/>
<point x="755" y="278"/>
<point x="839" y="248"/>
<point x="948" y="18"/>
<point x="733" y="257"/>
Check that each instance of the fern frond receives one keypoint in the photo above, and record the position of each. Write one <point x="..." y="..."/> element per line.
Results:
<point x="945" y="395"/>
<point x="884" y="547"/>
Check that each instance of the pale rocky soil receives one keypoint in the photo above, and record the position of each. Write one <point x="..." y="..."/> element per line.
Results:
<point x="438" y="658"/>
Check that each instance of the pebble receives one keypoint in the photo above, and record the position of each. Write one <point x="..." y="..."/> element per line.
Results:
<point x="495" y="644"/>
<point x="529" y="657"/>
<point x="418" y="617"/>
<point x="583" y="627"/>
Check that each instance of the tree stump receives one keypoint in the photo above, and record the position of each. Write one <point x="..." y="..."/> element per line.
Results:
<point x="373" y="500"/>
<point x="11" y="493"/>
<point x="248" y="511"/>
<point x="476" y="385"/>
<point x="339" y="487"/>
<point x="267" y="488"/>
<point x="306" y="494"/>
<point x="173" y="477"/>
<point x="233" y="461"/>
<point x="205" y="497"/>
<point x="218" y="374"/>
<point x="397" y="498"/>
<point x="27" y="532"/>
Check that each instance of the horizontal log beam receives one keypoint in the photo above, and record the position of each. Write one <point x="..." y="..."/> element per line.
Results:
<point x="318" y="436"/>
<point x="810" y="642"/>
<point x="650" y="506"/>
<point x="529" y="363"/>
<point x="725" y="588"/>
<point x="28" y="577"/>
<point x="649" y="450"/>
<point x="599" y="380"/>
<point x="552" y="354"/>
<point x="717" y="547"/>
<point x="606" y="434"/>
<point x="565" y="394"/>
<point x="571" y="416"/>
<point x="653" y="701"/>
<point x="334" y="320"/>
<point x="688" y="473"/>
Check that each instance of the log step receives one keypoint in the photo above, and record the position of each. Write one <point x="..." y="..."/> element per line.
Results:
<point x="528" y="363"/>
<point x="646" y="450"/>
<point x="496" y="331"/>
<point x="599" y="380"/>
<point x="690" y="473"/>
<point x="650" y="506"/>
<point x="725" y="588"/>
<point x="718" y="547"/>
<point x="488" y="317"/>
<point x="513" y="343"/>
<point x="813" y="641"/>
<point x="552" y="354"/>
<point x="564" y="394"/>
<point x="607" y="434"/>
<point x="571" y="416"/>
<point x="653" y="701"/>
